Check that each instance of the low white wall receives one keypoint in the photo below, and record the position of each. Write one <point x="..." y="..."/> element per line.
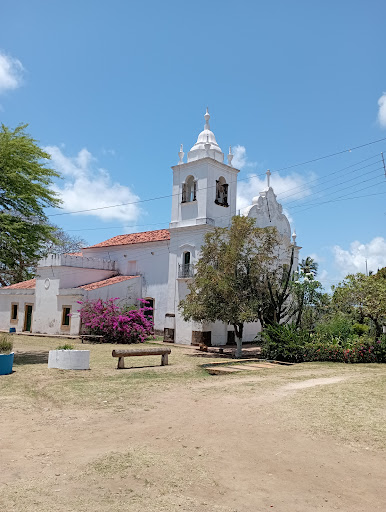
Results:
<point x="69" y="359"/>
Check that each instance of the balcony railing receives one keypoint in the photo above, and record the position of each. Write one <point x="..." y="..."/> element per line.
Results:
<point x="186" y="270"/>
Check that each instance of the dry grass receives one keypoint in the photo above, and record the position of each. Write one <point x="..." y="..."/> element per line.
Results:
<point x="155" y="438"/>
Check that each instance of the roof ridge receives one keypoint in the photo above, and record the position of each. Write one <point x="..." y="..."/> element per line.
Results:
<point x="28" y="284"/>
<point x="157" y="235"/>
<point x="105" y="282"/>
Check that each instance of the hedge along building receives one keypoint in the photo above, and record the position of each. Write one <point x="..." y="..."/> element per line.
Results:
<point x="154" y="265"/>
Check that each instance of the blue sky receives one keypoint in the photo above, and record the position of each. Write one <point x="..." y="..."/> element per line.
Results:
<point x="113" y="89"/>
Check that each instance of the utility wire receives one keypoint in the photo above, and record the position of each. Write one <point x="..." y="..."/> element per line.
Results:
<point x="166" y="223"/>
<point x="345" y="188"/>
<point x="340" y="198"/>
<point x="244" y="179"/>
<point x="323" y="180"/>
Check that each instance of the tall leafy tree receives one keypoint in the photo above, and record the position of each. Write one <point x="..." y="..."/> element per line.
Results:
<point x="229" y="284"/>
<point x="309" y="266"/>
<point x="309" y="301"/>
<point x="363" y="297"/>
<point x="279" y="307"/>
<point x="25" y="191"/>
<point x="64" y="243"/>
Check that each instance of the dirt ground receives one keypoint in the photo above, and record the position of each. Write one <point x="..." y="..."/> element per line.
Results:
<point x="303" y="438"/>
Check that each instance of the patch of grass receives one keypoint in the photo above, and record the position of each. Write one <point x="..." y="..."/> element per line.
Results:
<point x="6" y="344"/>
<point x="66" y="346"/>
<point x="353" y="411"/>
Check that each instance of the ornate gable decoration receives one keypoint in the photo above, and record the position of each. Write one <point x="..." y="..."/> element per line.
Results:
<point x="268" y="212"/>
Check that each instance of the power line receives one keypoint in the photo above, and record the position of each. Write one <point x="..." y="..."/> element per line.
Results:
<point x="341" y="197"/>
<point x="121" y="227"/>
<point x="166" y="223"/>
<point x="344" y="188"/>
<point x="244" y="179"/>
<point x="322" y="180"/>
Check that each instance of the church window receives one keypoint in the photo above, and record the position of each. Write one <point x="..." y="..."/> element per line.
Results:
<point x="14" y="311"/>
<point x="186" y="258"/>
<point x="189" y="189"/>
<point x="186" y="269"/>
<point x="221" y="192"/>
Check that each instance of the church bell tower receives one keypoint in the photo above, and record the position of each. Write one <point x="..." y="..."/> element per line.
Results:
<point x="204" y="187"/>
<point x="204" y="197"/>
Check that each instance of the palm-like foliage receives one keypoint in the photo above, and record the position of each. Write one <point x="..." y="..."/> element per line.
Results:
<point x="309" y="266"/>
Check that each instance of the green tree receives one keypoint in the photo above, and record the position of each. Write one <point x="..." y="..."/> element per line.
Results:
<point x="363" y="297"/>
<point x="18" y="263"/>
<point x="309" y="266"/>
<point x="230" y="275"/>
<point x="24" y="193"/>
<point x="309" y="301"/>
<point x="278" y="305"/>
<point x="63" y="243"/>
<point x="349" y="296"/>
<point x="374" y="306"/>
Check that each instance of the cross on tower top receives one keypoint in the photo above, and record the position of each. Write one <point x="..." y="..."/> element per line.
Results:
<point x="268" y="173"/>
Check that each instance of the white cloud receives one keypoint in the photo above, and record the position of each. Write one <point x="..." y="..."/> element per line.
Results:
<point x="354" y="260"/>
<point x="322" y="275"/>
<point x="294" y="186"/>
<point x="87" y="186"/>
<point x="317" y="257"/>
<point x="240" y="159"/>
<point x="11" y="72"/>
<point x="382" y="110"/>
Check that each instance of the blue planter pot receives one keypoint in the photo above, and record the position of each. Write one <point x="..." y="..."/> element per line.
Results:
<point x="6" y="363"/>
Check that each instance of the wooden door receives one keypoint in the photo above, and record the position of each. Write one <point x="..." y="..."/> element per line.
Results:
<point x="28" y="318"/>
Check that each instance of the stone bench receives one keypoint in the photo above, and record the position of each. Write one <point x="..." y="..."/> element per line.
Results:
<point x="146" y="351"/>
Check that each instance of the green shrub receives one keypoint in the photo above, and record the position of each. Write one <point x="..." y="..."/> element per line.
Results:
<point x="285" y="343"/>
<point x="360" y="329"/>
<point x="338" y="326"/>
<point x="65" y="347"/>
<point x="6" y="344"/>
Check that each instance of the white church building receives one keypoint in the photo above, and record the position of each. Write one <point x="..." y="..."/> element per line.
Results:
<point x="154" y="265"/>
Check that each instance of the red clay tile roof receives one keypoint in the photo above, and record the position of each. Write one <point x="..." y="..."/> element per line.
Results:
<point x="106" y="282"/>
<point x="24" y="285"/>
<point x="135" y="238"/>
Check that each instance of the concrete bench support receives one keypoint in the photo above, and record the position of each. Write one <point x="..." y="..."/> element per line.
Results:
<point x="153" y="351"/>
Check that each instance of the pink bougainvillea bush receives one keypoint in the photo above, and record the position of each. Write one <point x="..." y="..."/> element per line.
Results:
<point x="117" y="324"/>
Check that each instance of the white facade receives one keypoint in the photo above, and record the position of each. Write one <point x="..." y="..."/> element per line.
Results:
<point x="155" y="265"/>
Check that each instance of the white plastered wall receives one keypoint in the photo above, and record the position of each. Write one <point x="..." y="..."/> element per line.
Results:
<point x="148" y="260"/>
<point x="58" y="286"/>
<point x="19" y="297"/>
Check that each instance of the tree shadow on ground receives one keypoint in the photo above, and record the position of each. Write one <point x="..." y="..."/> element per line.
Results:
<point x="228" y="353"/>
<point x="28" y="357"/>
<point x="211" y="355"/>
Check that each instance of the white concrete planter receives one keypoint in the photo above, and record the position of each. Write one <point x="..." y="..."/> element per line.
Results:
<point x="69" y="359"/>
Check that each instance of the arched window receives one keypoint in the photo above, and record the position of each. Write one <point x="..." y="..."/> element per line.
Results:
<point x="189" y="190"/>
<point x="187" y="258"/>
<point x="221" y="192"/>
<point x="186" y="269"/>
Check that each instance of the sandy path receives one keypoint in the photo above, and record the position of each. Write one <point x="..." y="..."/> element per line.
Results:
<point x="192" y="448"/>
